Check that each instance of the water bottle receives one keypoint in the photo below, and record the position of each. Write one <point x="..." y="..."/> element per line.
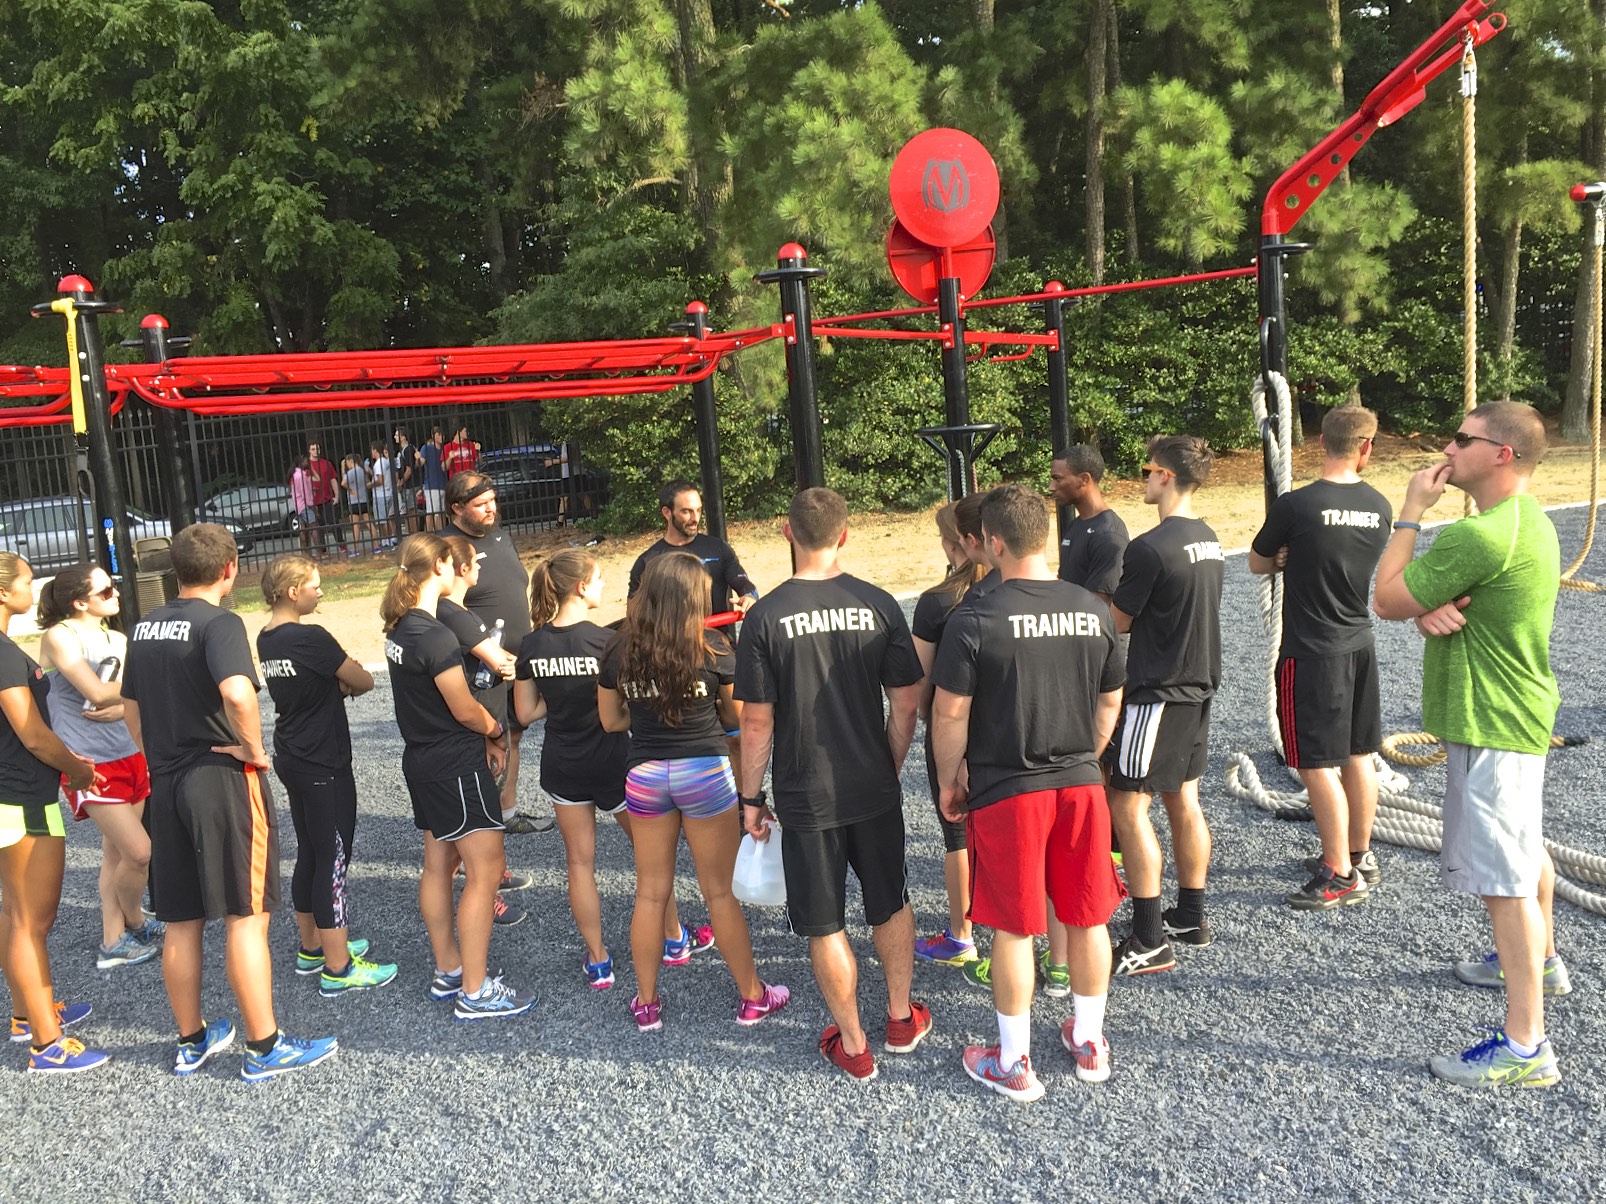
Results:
<point x="107" y="671"/>
<point x="484" y="676"/>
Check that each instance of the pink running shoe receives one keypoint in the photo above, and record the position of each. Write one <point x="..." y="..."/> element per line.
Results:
<point x="1018" y="1082"/>
<point x="1092" y="1059"/>
<point x="649" y="1016"/>
<point x="771" y="1001"/>
<point x="702" y="938"/>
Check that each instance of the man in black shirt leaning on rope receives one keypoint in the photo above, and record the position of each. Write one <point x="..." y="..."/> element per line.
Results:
<point x="1028" y="685"/>
<point x="1169" y="599"/>
<point x="815" y="659"/>
<point x="1326" y="539"/>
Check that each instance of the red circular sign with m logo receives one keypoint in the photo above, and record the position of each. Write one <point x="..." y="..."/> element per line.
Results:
<point x="944" y="187"/>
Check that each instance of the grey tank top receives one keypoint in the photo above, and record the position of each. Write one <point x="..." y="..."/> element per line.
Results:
<point x="100" y="742"/>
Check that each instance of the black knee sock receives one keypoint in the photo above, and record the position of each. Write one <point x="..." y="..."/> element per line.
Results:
<point x="1190" y="906"/>
<point x="262" y="1046"/>
<point x="1146" y="921"/>
<point x="194" y="1038"/>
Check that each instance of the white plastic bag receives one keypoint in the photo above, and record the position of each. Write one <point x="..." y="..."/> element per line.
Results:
<point x="759" y="878"/>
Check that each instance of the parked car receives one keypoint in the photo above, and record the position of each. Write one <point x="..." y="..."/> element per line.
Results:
<point x="530" y="484"/>
<point x="258" y="509"/>
<point x="51" y="533"/>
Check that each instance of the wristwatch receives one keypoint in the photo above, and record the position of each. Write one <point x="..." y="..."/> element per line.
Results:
<point x="758" y="800"/>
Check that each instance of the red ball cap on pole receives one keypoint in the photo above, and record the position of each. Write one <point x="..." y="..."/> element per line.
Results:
<point x="792" y="250"/>
<point x="1587" y="192"/>
<point x="153" y="322"/>
<point x="74" y="284"/>
<point x="697" y="307"/>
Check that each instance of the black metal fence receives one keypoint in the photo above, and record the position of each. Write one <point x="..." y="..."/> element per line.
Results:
<point x="240" y="468"/>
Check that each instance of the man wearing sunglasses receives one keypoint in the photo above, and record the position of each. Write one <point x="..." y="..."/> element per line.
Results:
<point x="1169" y="599"/>
<point x="1484" y="595"/>
<point x="1326" y="538"/>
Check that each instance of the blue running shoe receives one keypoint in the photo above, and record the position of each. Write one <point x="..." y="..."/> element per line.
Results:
<point x="600" y="974"/>
<point x="128" y="951"/>
<point x="218" y="1037"/>
<point x="312" y="963"/>
<point x="148" y="933"/>
<point x="67" y="1015"/>
<point x="945" y="949"/>
<point x="445" y="987"/>
<point x="66" y="1056"/>
<point x="1494" y="1063"/>
<point x="495" y="1001"/>
<point x="288" y="1053"/>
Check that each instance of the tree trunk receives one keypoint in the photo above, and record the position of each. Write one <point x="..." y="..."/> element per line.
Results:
<point x="1575" y="406"/>
<point x="1098" y="50"/>
<point x="703" y="179"/>
<point x="983" y="12"/>
<point x="491" y="236"/>
<point x="1129" y="186"/>
<point x="1510" y="277"/>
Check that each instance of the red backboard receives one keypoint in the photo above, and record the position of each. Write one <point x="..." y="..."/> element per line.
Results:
<point x="944" y="187"/>
<point x="917" y="266"/>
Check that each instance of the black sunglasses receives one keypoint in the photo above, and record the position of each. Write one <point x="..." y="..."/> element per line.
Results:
<point x="105" y="595"/>
<point x="1466" y="439"/>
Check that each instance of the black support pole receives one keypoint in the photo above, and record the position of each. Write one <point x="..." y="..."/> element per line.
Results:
<point x="955" y="389"/>
<point x="1270" y="272"/>
<point x="94" y="436"/>
<point x="703" y="410"/>
<point x="178" y="492"/>
<point x="1059" y="386"/>
<point x="793" y="274"/>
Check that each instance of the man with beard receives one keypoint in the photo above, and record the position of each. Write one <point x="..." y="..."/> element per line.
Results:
<point x="682" y="508"/>
<point x="500" y="598"/>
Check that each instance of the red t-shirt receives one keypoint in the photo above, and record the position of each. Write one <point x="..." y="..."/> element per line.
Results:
<point x="460" y="456"/>
<point x="323" y="481"/>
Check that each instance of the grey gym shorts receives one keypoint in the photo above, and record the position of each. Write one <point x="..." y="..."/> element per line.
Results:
<point x="1493" y="804"/>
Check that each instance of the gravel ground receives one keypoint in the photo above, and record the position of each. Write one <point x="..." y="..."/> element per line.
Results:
<point x="1289" y="1056"/>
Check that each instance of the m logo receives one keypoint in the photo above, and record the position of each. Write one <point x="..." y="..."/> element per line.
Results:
<point x="946" y="187"/>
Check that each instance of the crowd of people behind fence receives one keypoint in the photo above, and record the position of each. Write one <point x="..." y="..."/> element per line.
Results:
<point x="1058" y="701"/>
<point x="381" y="495"/>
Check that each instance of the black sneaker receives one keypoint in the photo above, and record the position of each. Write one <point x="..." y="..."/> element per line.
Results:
<point x="1132" y="959"/>
<point x="1326" y="890"/>
<point x="522" y="824"/>
<point x="1365" y="861"/>
<point x="1197" y="935"/>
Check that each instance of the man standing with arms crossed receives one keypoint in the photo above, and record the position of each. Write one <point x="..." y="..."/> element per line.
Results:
<point x="1326" y="538"/>
<point x="1093" y="544"/>
<point x="190" y="701"/>
<point x="325" y="482"/>
<point x="502" y="594"/>
<point x="1169" y="600"/>
<point x="1028" y="685"/>
<point x="815" y="658"/>
<point x="1485" y="596"/>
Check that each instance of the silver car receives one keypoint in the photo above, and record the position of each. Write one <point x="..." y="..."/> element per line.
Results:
<point x="52" y="533"/>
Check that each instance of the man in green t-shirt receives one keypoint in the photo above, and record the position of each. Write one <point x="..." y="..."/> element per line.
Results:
<point x="1484" y="595"/>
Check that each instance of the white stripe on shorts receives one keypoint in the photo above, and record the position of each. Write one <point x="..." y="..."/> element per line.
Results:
<point x="1138" y="736"/>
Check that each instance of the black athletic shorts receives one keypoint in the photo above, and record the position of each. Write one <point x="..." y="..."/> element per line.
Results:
<point x="953" y="835"/>
<point x="451" y="808"/>
<point x="816" y="865"/>
<point x="214" y="844"/>
<point x="1158" y="746"/>
<point x="1328" y="708"/>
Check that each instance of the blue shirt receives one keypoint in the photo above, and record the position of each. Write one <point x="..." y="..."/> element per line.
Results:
<point x="434" y="474"/>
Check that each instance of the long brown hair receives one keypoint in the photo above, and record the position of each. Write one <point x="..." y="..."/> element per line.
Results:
<point x="556" y="578"/>
<point x="66" y="587"/>
<point x="663" y="641"/>
<point x="419" y="554"/>
<point x="957" y="583"/>
<point x="462" y="553"/>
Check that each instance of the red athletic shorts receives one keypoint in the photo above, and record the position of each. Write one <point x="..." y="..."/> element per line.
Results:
<point x="127" y="781"/>
<point x="1048" y="844"/>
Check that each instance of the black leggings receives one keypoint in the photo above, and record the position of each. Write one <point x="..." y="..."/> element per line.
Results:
<point x="323" y="808"/>
<point x="953" y="835"/>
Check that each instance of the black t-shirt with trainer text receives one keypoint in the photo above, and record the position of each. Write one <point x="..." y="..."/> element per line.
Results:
<point x="700" y="733"/>
<point x="1335" y="535"/>
<point x="420" y="648"/>
<point x="177" y="656"/>
<point x="822" y="652"/>
<point x="1091" y="550"/>
<point x="1033" y="658"/>
<point x="24" y="778"/>
<point x="725" y="572"/>
<point x="1171" y="581"/>
<point x="579" y="760"/>
<point x="299" y="663"/>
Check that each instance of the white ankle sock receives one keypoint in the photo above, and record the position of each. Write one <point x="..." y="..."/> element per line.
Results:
<point x="1521" y="1050"/>
<point x="1089" y="1024"/>
<point x="510" y="812"/>
<point x="1014" y="1038"/>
